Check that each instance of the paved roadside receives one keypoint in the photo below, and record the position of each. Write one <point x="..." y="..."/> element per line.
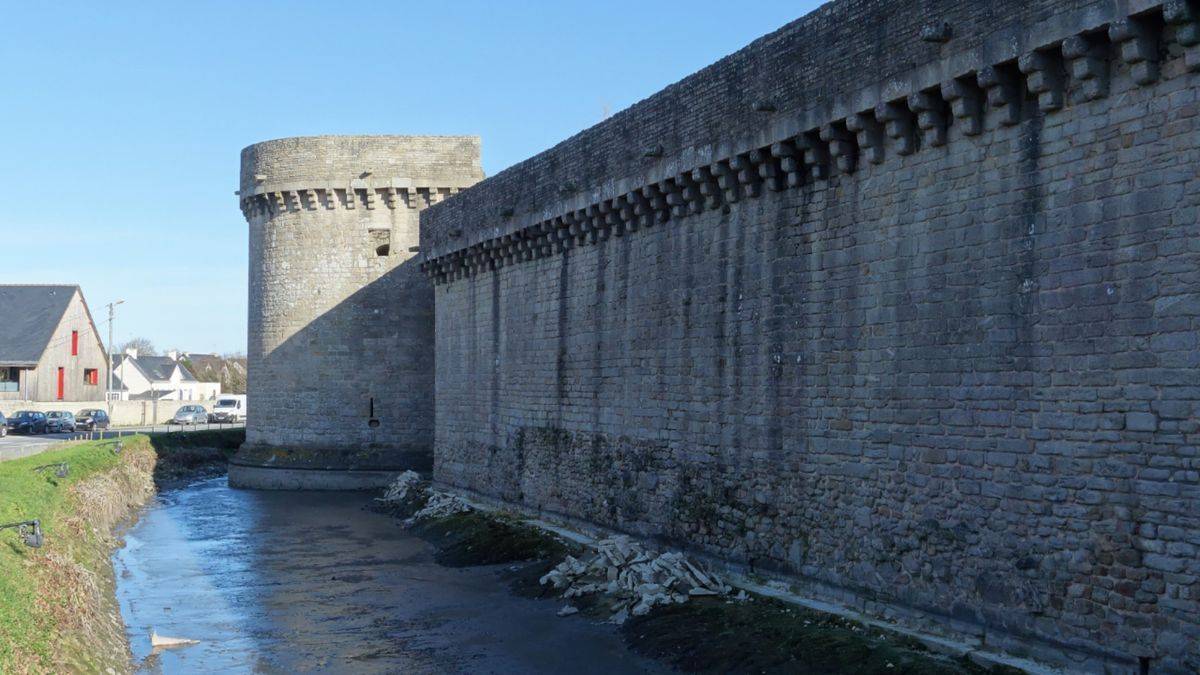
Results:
<point x="15" y="446"/>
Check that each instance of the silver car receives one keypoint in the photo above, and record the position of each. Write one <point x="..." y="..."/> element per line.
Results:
<point x="190" y="414"/>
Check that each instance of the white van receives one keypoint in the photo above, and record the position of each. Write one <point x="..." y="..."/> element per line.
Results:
<point x="229" y="408"/>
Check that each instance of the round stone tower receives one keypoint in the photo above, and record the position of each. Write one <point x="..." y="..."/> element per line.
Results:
<point x="340" y="383"/>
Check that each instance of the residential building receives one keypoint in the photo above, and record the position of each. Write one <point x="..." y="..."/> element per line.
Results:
<point x="144" y="377"/>
<point x="49" y="347"/>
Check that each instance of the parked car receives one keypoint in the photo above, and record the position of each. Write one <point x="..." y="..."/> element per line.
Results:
<point x="190" y="414"/>
<point x="3" y="426"/>
<point x="60" y="421"/>
<point x="27" y="422"/>
<point x="91" y="419"/>
<point x="229" y="408"/>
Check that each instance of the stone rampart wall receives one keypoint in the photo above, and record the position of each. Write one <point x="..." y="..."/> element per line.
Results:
<point x="929" y="343"/>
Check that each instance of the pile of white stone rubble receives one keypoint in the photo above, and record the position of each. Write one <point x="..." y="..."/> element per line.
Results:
<point x="410" y="491"/>
<point x="440" y="505"/>
<point x="405" y="487"/>
<point x="635" y="578"/>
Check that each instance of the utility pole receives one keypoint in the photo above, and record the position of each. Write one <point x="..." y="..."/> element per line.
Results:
<point x="112" y="306"/>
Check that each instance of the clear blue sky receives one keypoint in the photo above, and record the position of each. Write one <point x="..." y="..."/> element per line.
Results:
<point x="121" y="122"/>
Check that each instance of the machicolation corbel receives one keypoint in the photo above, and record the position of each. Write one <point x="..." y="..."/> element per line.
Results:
<point x="1138" y="47"/>
<point x="1003" y="93"/>
<point x="676" y="204"/>
<point x="641" y="209"/>
<point x="1086" y="58"/>
<point x="1044" y="77"/>
<point x="625" y="211"/>
<point x="1184" y="17"/>
<point x="966" y="104"/>
<point x="772" y="174"/>
<point x="747" y="175"/>
<point x="789" y="163"/>
<point x="869" y="133"/>
<point x="816" y="155"/>
<point x="932" y="119"/>
<point x="690" y="190"/>
<point x="897" y="122"/>
<point x="727" y="181"/>
<point x="842" y="148"/>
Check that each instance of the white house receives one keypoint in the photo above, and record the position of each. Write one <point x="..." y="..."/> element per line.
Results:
<point x="137" y="377"/>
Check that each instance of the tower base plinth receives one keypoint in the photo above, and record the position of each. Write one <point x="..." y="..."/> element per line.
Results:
<point x="280" y="469"/>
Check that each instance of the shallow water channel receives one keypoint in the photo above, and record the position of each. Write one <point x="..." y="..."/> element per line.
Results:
<point x="312" y="582"/>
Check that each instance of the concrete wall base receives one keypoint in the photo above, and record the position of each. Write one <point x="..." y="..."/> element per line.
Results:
<point x="272" y="478"/>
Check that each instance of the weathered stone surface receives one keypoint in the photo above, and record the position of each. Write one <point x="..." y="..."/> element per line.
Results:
<point x="961" y="381"/>
<point x="341" y="335"/>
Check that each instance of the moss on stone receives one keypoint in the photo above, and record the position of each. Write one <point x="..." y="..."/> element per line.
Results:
<point x="467" y="539"/>
<point x="711" y="635"/>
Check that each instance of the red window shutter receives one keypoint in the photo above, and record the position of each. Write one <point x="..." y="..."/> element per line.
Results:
<point x="74" y="343"/>
<point x="62" y="383"/>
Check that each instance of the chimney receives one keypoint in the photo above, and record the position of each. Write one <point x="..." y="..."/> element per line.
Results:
<point x="132" y="352"/>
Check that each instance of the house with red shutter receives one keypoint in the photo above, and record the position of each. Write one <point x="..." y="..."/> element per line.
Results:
<point x="50" y="349"/>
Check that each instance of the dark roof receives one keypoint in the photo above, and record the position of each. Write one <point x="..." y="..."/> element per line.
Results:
<point x="30" y="315"/>
<point x="155" y="367"/>
<point x="151" y="395"/>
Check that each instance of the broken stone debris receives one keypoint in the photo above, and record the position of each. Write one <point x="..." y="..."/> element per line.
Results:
<point x="411" y="491"/>
<point x="637" y="579"/>
<point x="440" y="505"/>
<point x="406" y="486"/>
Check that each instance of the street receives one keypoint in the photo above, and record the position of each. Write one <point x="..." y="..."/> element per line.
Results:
<point x="15" y="446"/>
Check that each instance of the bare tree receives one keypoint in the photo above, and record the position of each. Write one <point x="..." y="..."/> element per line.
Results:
<point x="143" y="346"/>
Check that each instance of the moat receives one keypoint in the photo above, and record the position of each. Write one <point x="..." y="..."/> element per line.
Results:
<point x="314" y="582"/>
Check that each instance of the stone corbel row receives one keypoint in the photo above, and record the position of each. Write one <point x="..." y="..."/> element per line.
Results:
<point x="1074" y="70"/>
<point x="329" y="198"/>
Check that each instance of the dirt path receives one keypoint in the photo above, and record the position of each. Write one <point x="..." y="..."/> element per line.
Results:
<point x="312" y="582"/>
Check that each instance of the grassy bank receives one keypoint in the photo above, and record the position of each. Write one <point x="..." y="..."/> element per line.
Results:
<point x="57" y="607"/>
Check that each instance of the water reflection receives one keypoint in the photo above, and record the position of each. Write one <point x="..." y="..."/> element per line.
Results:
<point x="310" y="582"/>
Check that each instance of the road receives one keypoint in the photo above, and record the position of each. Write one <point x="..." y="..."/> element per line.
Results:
<point x="14" y="446"/>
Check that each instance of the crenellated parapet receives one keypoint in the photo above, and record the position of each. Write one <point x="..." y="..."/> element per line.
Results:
<point x="1058" y="63"/>
<point x="350" y="173"/>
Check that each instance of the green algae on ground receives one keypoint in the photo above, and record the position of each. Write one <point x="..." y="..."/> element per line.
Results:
<point x="473" y="538"/>
<point x="704" y="635"/>
<point x="712" y="635"/>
